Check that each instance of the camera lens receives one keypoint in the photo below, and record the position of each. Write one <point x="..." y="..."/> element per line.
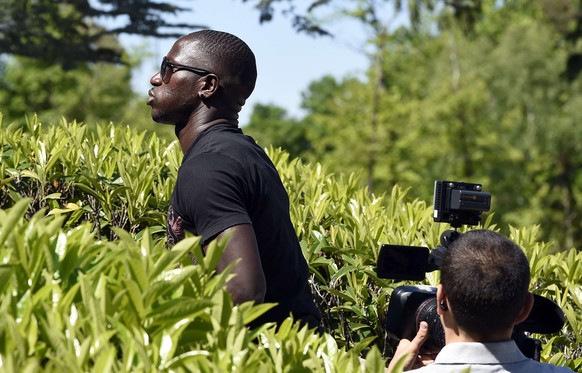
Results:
<point x="427" y="311"/>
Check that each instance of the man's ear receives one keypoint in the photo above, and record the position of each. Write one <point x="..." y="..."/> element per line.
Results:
<point x="525" y="309"/>
<point x="441" y="299"/>
<point x="210" y="86"/>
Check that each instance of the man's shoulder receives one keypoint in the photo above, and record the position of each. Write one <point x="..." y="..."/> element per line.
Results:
<point x="550" y="368"/>
<point x="441" y="368"/>
<point x="498" y="357"/>
<point x="532" y="366"/>
<point x="227" y="143"/>
<point x="222" y="133"/>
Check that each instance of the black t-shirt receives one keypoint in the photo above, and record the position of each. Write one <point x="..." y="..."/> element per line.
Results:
<point x="226" y="179"/>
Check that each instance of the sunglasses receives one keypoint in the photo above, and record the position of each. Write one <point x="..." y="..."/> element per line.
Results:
<point x="168" y="68"/>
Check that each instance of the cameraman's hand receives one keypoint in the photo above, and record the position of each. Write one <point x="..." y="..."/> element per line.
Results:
<point x="411" y="350"/>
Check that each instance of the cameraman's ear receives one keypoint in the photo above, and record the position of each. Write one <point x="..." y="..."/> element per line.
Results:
<point x="441" y="299"/>
<point x="526" y="308"/>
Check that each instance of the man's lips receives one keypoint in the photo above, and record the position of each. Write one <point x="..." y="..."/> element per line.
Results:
<point x="151" y="97"/>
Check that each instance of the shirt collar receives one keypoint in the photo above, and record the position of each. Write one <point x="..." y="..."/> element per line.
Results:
<point x="480" y="353"/>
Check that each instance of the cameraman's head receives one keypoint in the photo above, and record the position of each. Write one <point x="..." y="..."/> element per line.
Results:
<point x="484" y="287"/>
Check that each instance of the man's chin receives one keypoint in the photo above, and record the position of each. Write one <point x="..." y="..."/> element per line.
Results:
<point x="160" y="119"/>
<point x="163" y="123"/>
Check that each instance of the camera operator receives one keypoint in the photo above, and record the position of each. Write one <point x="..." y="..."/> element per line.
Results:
<point x="483" y="294"/>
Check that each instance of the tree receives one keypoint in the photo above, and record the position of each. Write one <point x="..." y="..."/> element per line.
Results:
<point x="308" y="18"/>
<point x="67" y="32"/>
<point x="340" y="122"/>
<point x="99" y="93"/>
<point x="481" y="99"/>
<point x="61" y="63"/>
<point x="271" y="125"/>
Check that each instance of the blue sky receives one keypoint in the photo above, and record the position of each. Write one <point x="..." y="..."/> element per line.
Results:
<point x="286" y="60"/>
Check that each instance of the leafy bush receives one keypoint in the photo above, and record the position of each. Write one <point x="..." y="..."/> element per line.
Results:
<point x="71" y="303"/>
<point x="75" y="301"/>
<point x="113" y="177"/>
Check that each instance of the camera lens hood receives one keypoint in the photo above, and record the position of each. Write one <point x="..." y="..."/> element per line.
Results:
<point x="545" y="317"/>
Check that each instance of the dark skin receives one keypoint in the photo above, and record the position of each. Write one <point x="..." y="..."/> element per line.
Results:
<point x="194" y="103"/>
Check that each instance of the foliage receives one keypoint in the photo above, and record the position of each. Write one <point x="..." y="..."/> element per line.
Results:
<point x="270" y="124"/>
<point x="67" y="32"/>
<point x="309" y="17"/>
<point x="491" y="101"/>
<point x="96" y="93"/>
<point x="478" y="90"/>
<point x="113" y="177"/>
<point x="57" y="63"/>
<point x="75" y="302"/>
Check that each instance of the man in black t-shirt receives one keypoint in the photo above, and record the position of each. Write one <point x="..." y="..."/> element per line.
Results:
<point x="226" y="183"/>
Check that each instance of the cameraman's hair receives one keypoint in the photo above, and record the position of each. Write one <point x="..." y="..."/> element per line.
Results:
<point x="486" y="279"/>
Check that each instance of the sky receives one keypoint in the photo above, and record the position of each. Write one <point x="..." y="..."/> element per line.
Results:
<point x="287" y="61"/>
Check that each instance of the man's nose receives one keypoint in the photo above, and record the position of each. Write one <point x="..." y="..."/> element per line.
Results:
<point x="156" y="79"/>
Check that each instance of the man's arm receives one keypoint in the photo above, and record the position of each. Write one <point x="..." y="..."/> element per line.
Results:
<point x="249" y="283"/>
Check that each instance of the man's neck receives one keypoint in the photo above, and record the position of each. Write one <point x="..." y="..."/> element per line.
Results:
<point x="459" y="335"/>
<point x="189" y="132"/>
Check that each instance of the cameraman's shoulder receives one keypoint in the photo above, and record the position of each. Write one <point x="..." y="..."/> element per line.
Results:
<point x="562" y="370"/>
<point x="440" y="368"/>
<point x="551" y="368"/>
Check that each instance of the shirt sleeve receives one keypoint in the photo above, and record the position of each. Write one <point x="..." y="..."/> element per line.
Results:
<point x="210" y="195"/>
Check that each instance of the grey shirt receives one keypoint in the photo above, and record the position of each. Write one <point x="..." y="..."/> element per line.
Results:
<point x="487" y="358"/>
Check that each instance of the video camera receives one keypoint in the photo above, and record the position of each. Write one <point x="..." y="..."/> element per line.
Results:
<point x="458" y="204"/>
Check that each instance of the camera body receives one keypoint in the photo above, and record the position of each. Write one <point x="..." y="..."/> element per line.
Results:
<point x="409" y="305"/>
<point x="458" y="204"/>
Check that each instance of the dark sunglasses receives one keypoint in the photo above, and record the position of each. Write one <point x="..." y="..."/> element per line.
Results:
<point x="168" y="68"/>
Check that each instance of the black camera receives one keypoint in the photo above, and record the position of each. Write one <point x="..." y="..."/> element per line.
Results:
<point x="458" y="204"/>
<point x="410" y="304"/>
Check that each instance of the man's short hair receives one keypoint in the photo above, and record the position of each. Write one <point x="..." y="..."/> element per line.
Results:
<point x="486" y="280"/>
<point x="231" y="56"/>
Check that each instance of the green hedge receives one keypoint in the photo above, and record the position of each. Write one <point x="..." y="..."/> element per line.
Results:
<point x="87" y="283"/>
